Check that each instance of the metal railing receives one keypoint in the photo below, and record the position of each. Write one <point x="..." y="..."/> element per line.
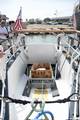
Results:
<point x="75" y="57"/>
<point x="76" y="90"/>
<point x="16" y="47"/>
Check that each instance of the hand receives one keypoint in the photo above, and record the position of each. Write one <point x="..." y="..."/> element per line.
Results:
<point x="1" y="54"/>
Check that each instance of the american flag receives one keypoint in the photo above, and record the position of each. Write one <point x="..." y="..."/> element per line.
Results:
<point x="18" y="23"/>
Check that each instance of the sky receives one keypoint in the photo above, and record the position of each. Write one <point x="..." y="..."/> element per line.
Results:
<point x="37" y="8"/>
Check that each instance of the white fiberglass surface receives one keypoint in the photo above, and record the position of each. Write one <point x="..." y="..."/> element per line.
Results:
<point x="60" y="111"/>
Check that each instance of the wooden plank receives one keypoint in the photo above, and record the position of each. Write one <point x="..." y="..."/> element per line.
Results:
<point x="77" y="31"/>
<point x="46" y="31"/>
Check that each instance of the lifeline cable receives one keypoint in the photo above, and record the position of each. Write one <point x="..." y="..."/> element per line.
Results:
<point x="24" y="102"/>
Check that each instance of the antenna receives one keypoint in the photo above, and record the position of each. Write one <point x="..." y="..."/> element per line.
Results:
<point x="55" y="13"/>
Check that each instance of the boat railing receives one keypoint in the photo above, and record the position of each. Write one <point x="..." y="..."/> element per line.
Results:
<point x="76" y="104"/>
<point x="4" y="40"/>
<point x="74" y="113"/>
<point x="16" y="48"/>
<point x="74" y="54"/>
<point x="71" y="46"/>
<point x="2" y="104"/>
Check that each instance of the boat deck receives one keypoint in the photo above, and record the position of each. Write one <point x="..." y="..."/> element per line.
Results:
<point x="60" y="111"/>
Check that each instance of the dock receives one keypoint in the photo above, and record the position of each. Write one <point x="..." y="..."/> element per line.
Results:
<point x="41" y="31"/>
<point x="48" y="29"/>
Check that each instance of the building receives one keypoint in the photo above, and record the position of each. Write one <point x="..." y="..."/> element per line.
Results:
<point x="62" y="19"/>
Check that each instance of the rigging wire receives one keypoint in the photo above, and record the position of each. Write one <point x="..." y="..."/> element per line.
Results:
<point x="24" y="102"/>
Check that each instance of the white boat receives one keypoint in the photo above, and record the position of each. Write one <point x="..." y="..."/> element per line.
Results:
<point x="39" y="92"/>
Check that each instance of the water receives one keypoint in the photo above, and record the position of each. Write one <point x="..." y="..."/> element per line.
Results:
<point x="34" y="39"/>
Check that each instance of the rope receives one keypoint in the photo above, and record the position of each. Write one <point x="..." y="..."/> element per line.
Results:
<point x="42" y="105"/>
<point x="31" y="112"/>
<point x="43" y="113"/>
<point x="24" y="102"/>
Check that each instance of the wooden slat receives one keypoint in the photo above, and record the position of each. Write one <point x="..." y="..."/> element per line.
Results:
<point x="46" y="31"/>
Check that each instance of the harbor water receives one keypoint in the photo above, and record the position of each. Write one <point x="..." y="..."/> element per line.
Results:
<point x="52" y="39"/>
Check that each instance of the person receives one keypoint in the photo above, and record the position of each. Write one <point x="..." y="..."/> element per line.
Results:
<point x="3" y="34"/>
<point x="1" y="51"/>
<point x="3" y="30"/>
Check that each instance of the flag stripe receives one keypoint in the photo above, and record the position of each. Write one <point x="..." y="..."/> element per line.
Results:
<point x="18" y="23"/>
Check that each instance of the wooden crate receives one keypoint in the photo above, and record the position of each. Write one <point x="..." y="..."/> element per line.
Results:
<point x="41" y="71"/>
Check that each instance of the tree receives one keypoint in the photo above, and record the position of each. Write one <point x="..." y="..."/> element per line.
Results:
<point x="38" y="21"/>
<point x="31" y="21"/>
<point x="26" y="20"/>
<point x="47" y="19"/>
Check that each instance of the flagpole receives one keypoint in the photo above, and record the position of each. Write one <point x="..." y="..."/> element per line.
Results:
<point x="21" y="11"/>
